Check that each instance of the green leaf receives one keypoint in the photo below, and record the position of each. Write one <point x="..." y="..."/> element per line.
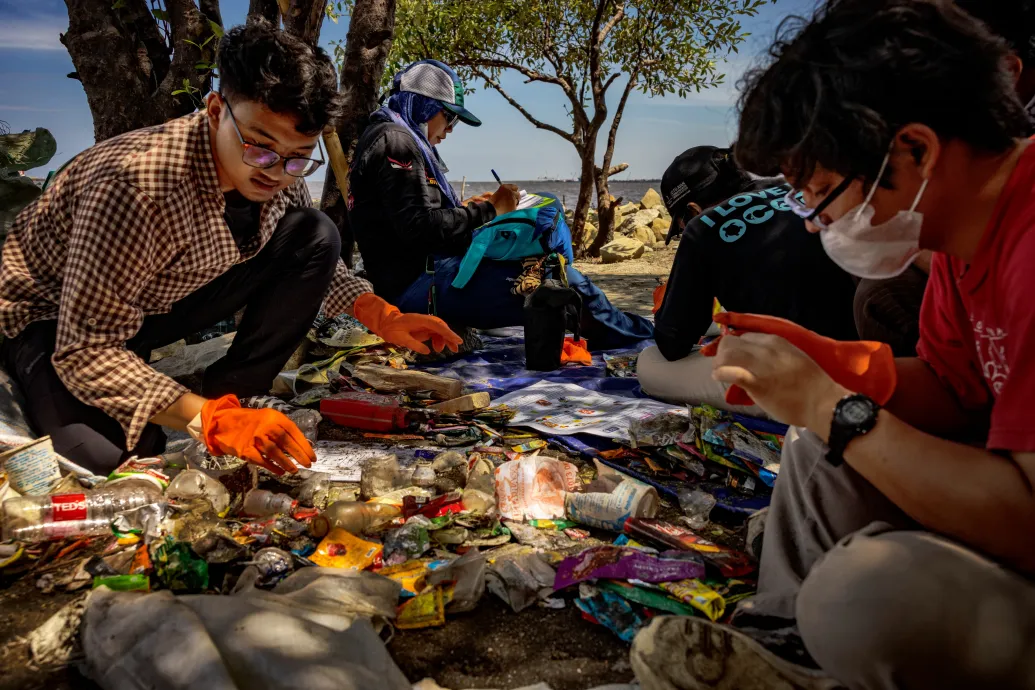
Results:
<point x="118" y="4"/>
<point x="160" y="15"/>
<point x="217" y="30"/>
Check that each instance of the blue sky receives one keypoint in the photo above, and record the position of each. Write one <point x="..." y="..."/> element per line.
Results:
<point x="34" y="92"/>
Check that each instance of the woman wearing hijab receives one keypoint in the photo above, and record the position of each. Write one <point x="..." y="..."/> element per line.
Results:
<point x="413" y="230"/>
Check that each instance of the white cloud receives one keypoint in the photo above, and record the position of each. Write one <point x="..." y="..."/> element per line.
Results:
<point x="725" y="95"/>
<point x="26" y="109"/>
<point x="33" y="33"/>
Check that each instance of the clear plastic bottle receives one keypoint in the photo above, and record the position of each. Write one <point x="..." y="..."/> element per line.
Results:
<point x="353" y="517"/>
<point x="423" y="476"/>
<point x="191" y="484"/>
<point x="41" y="518"/>
<point x="260" y="503"/>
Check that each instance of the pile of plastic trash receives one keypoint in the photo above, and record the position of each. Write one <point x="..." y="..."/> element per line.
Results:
<point x="418" y="484"/>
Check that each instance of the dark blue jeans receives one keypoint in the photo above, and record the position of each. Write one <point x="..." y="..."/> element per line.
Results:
<point x="486" y="302"/>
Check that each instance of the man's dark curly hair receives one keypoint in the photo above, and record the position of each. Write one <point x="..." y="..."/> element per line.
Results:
<point x="258" y="62"/>
<point x="843" y="83"/>
<point x="1014" y="20"/>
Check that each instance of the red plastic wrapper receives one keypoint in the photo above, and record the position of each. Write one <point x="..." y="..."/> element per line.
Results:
<point x="432" y="507"/>
<point x="621" y="563"/>
<point x="305" y="514"/>
<point x="367" y="411"/>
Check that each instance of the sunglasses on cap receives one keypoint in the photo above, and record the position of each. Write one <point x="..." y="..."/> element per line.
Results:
<point x="263" y="158"/>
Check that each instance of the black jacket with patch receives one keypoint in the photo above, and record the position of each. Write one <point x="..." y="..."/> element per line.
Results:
<point x="754" y="255"/>
<point x="398" y="214"/>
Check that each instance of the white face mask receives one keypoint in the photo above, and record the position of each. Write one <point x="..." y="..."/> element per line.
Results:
<point x="875" y="251"/>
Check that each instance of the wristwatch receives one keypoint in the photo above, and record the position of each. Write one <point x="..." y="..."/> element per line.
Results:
<point x="855" y="415"/>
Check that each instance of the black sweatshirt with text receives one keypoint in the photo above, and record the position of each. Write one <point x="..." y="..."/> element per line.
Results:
<point x="754" y="255"/>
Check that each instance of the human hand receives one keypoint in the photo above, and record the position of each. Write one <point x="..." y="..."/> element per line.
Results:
<point x="780" y="378"/>
<point x="405" y="330"/>
<point x="505" y="199"/>
<point x="486" y="196"/>
<point x="859" y="365"/>
<point x="263" y="437"/>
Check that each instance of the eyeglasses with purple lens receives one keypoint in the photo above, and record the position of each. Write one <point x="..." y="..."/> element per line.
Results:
<point x="799" y="208"/>
<point x="261" y="157"/>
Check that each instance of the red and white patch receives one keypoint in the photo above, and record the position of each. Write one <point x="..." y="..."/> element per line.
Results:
<point x="68" y="507"/>
<point x="399" y="165"/>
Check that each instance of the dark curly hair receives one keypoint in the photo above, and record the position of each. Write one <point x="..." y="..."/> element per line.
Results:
<point x="843" y="83"/>
<point x="1014" y="20"/>
<point x="258" y="62"/>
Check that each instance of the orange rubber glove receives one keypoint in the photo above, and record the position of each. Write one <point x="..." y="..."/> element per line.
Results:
<point x="861" y="366"/>
<point x="263" y="437"/>
<point x="659" y="296"/>
<point x="405" y="330"/>
<point x="576" y="352"/>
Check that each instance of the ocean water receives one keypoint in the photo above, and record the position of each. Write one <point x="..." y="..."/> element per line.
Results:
<point x="566" y="190"/>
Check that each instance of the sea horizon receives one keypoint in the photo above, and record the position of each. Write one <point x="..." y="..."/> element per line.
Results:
<point x="565" y="190"/>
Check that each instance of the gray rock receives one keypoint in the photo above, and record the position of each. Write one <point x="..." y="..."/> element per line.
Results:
<point x="660" y="226"/>
<point x="621" y="249"/>
<point x="641" y="218"/>
<point x="643" y="234"/>
<point x="652" y="200"/>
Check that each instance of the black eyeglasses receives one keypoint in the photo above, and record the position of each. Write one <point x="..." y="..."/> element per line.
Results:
<point x="812" y="214"/>
<point x="264" y="159"/>
<point x="451" y="119"/>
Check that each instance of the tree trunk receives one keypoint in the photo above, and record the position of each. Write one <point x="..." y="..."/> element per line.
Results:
<point x="304" y="19"/>
<point x="366" y="49"/>
<point x="605" y="212"/>
<point x="582" y="205"/>
<point x="264" y="9"/>
<point x="127" y="70"/>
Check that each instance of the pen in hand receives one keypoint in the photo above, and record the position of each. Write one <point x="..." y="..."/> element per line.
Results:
<point x="494" y="174"/>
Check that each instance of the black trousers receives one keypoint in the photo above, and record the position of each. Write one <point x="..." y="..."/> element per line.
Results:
<point x="281" y="289"/>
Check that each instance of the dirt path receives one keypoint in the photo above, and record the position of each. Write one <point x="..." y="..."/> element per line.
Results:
<point x="630" y="284"/>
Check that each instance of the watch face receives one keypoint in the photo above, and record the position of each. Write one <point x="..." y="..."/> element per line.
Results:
<point x="856" y="412"/>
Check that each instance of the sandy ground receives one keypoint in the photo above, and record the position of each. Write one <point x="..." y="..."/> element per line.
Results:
<point x="490" y="647"/>
<point x="630" y="284"/>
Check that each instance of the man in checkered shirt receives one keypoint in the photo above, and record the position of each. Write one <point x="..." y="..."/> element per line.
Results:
<point x="153" y="235"/>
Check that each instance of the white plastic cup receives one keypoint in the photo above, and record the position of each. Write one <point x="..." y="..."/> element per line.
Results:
<point x="33" y="468"/>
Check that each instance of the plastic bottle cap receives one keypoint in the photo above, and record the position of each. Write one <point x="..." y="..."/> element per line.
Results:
<point x="319" y="527"/>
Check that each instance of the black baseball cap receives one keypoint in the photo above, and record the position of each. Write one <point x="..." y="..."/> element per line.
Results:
<point x="689" y="178"/>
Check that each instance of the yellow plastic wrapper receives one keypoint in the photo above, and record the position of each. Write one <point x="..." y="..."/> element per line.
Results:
<point x="699" y="595"/>
<point x="426" y="610"/>
<point x="340" y="549"/>
<point x="410" y="575"/>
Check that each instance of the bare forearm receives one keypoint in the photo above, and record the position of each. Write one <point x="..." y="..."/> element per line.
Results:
<point x="923" y="402"/>
<point x="180" y="413"/>
<point x="980" y="498"/>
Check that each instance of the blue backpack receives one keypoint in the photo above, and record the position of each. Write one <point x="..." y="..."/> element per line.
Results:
<point x="536" y="231"/>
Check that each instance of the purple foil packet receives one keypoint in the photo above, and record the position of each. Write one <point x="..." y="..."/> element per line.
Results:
<point x="623" y="563"/>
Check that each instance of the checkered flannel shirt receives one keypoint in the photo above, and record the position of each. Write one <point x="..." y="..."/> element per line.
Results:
<point x="131" y="226"/>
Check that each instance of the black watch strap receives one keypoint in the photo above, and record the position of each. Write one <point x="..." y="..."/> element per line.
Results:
<point x="854" y="415"/>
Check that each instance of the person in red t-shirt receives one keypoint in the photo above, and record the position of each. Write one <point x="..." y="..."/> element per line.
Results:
<point x="901" y="556"/>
